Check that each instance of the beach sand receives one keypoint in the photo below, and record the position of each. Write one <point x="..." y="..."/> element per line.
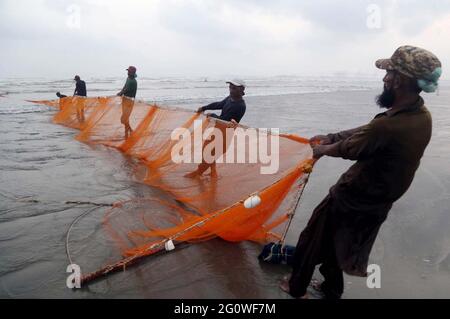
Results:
<point x="42" y="166"/>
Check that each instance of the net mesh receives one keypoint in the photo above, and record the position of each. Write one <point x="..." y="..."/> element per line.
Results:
<point x="197" y="208"/>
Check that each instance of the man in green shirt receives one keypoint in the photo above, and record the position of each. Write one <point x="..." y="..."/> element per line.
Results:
<point x="128" y="93"/>
<point x="343" y="227"/>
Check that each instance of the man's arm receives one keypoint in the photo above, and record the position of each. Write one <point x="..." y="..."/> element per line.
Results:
<point x="320" y="150"/>
<point x="213" y="106"/>
<point x="343" y="135"/>
<point x="334" y="137"/>
<point x="125" y="87"/>
<point x="122" y="91"/>
<point x="362" y="143"/>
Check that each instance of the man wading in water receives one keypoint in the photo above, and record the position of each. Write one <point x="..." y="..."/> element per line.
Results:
<point x="233" y="109"/>
<point x="128" y="93"/>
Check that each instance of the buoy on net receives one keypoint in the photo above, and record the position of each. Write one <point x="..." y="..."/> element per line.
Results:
<point x="252" y="201"/>
<point x="168" y="245"/>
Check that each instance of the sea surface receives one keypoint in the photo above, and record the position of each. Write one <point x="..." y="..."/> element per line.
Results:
<point x="44" y="172"/>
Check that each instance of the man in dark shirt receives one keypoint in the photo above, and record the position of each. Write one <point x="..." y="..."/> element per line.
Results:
<point x="128" y="93"/>
<point x="80" y="94"/>
<point x="233" y="109"/>
<point x="233" y="106"/>
<point x="343" y="227"/>
<point x="80" y="87"/>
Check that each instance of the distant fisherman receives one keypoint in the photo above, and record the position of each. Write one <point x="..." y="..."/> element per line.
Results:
<point x="60" y="96"/>
<point x="81" y="93"/>
<point x="80" y="87"/>
<point x="343" y="227"/>
<point x="128" y="94"/>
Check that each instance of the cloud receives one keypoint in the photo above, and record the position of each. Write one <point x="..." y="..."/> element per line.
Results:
<point x="210" y="37"/>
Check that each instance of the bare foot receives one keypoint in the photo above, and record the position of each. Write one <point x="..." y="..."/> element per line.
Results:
<point x="316" y="285"/>
<point x="192" y="174"/>
<point x="284" y="285"/>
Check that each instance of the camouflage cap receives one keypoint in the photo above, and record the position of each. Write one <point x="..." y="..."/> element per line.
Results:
<point x="411" y="61"/>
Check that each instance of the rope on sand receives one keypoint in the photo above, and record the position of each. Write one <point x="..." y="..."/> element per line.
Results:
<point x="70" y="229"/>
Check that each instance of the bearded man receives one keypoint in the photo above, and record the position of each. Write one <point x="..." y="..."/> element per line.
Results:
<point x="343" y="227"/>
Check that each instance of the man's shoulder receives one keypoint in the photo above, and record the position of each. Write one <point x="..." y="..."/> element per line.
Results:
<point x="379" y="125"/>
<point x="425" y="119"/>
<point x="402" y="122"/>
<point x="423" y="109"/>
<point x="240" y="102"/>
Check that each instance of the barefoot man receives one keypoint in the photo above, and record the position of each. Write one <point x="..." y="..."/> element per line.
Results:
<point x="233" y="109"/>
<point x="128" y="93"/>
<point x="343" y="227"/>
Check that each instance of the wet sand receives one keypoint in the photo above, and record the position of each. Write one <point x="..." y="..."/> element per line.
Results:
<point x="42" y="167"/>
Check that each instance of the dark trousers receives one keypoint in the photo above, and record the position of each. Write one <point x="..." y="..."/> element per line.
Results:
<point x="316" y="246"/>
<point x="333" y="285"/>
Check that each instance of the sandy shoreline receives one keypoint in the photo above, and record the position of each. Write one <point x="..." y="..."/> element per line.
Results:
<point x="42" y="161"/>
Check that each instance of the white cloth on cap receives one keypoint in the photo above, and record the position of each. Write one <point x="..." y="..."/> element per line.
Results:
<point x="237" y="82"/>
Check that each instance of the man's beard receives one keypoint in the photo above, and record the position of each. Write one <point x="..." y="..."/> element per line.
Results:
<point x="386" y="99"/>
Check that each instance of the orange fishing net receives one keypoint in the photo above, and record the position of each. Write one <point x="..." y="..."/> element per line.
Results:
<point x="196" y="208"/>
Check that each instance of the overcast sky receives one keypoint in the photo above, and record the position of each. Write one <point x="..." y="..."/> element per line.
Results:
<point x="99" y="38"/>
